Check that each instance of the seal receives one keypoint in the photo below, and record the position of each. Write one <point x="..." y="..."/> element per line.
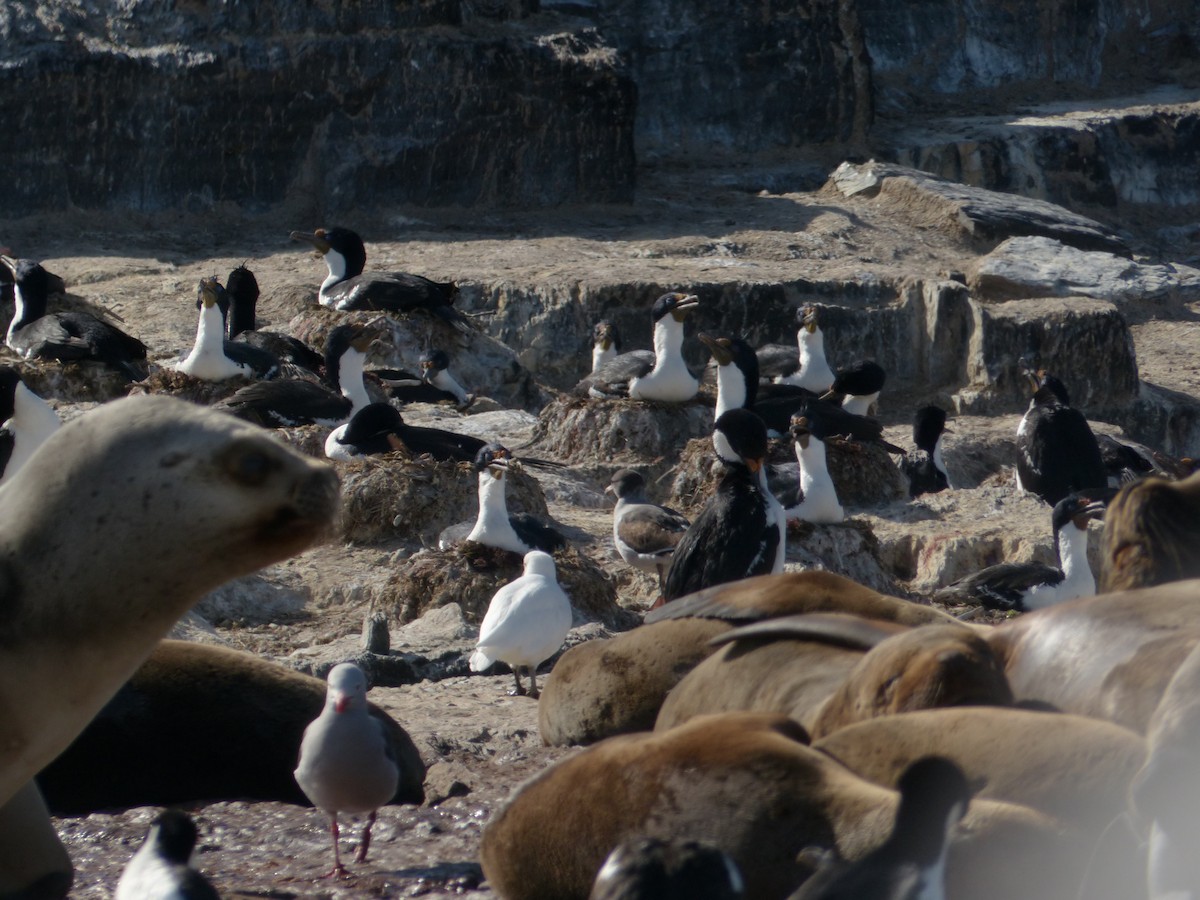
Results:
<point x="604" y="687"/>
<point x="746" y="784"/>
<point x="198" y="723"/>
<point x="1152" y="534"/>
<point x="829" y="671"/>
<point x="123" y="520"/>
<point x="1110" y="656"/>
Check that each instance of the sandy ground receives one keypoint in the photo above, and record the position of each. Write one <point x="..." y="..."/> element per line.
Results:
<point x="478" y="742"/>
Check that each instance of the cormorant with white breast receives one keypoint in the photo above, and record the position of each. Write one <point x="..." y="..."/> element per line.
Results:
<point x="161" y="868"/>
<point x="494" y="527"/>
<point x="742" y="529"/>
<point x="435" y="384"/>
<point x="241" y="287"/>
<point x="1057" y="453"/>
<point x="642" y="375"/>
<point x="65" y="336"/>
<point x="26" y="420"/>
<point x="213" y="358"/>
<point x="644" y="533"/>
<point x="348" y="287"/>
<point x="857" y="387"/>
<point x="1025" y="586"/>
<point x="924" y="467"/>
<point x="738" y="385"/>
<point x="287" y="402"/>
<point x="805" y="365"/>
<point x="606" y="343"/>
<point x="817" y="500"/>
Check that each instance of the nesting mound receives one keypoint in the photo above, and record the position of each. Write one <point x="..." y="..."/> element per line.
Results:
<point x="73" y="382"/>
<point x="308" y="439"/>
<point x="469" y="574"/>
<point x="393" y="495"/>
<point x="602" y="436"/>
<point x="865" y="475"/>
<point x="186" y="387"/>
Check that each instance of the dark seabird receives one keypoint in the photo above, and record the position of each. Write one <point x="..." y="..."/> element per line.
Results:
<point x="380" y="428"/>
<point x="817" y="500"/>
<point x="26" y="420"/>
<point x="1025" y="586"/>
<point x="645" y="375"/>
<point x="606" y="343"/>
<point x="742" y="529"/>
<point x="1128" y="461"/>
<point x="346" y="763"/>
<point x="1057" y="453"/>
<point x="161" y="868"/>
<point x="924" y="467"/>
<point x="347" y="287"/>
<point x="644" y="533"/>
<point x="287" y="402"/>
<point x="647" y="868"/>
<point x="435" y="384"/>
<point x="856" y="388"/>
<point x="242" y="289"/>
<point x="807" y="368"/>
<point x="738" y="384"/>
<point x="525" y="624"/>
<point x="65" y="336"/>
<point x="911" y="863"/>
<point x="213" y="358"/>
<point x="494" y="527"/>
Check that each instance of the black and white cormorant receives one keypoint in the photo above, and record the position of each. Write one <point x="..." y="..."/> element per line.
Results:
<point x="606" y="343"/>
<point x="287" y="402"/>
<point x="26" y="421"/>
<point x="434" y="384"/>
<point x="494" y="527"/>
<point x="65" y="336"/>
<point x="805" y="364"/>
<point x="1057" y="453"/>
<point x="817" y="500"/>
<point x="911" y="863"/>
<point x="738" y="384"/>
<point x="213" y="358"/>
<point x="1025" y="586"/>
<point x="348" y="287"/>
<point x="648" y="868"/>
<point x="380" y="428"/>
<point x="241" y="287"/>
<point x="924" y="467"/>
<point x="857" y="387"/>
<point x="644" y="533"/>
<point x="741" y="531"/>
<point x="161" y="868"/>
<point x="645" y="375"/>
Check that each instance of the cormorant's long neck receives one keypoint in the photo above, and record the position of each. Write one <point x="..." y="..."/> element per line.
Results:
<point x="349" y="378"/>
<point x="1072" y="555"/>
<point x="731" y="389"/>
<point x="668" y="343"/>
<point x="28" y="307"/>
<point x="444" y="381"/>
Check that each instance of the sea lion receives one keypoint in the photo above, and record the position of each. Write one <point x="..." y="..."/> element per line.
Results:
<point x="124" y="519"/>
<point x="1074" y="769"/>
<point x="747" y="784"/>
<point x="829" y="671"/>
<point x="615" y="686"/>
<point x="197" y="722"/>
<point x="1152" y="534"/>
<point x="1110" y="656"/>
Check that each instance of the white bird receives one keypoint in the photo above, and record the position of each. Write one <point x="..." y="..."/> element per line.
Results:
<point x="819" y="500"/>
<point x="160" y="870"/>
<point x="526" y="622"/>
<point x="26" y="420"/>
<point x="346" y="764"/>
<point x="213" y="358"/>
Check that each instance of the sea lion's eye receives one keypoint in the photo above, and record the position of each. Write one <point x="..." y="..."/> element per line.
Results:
<point x="251" y="468"/>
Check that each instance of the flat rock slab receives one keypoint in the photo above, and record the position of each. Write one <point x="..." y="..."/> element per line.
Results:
<point x="976" y="212"/>
<point x="1044" y="267"/>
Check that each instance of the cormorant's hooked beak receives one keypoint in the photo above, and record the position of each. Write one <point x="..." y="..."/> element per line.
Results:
<point x="684" y="304"/>
<point x="316" y="238"/>
<point x="754" y="463"/>
<point x="808" y="319"/>
<point x="719" y="347"/>
<point x="800" y="431"/>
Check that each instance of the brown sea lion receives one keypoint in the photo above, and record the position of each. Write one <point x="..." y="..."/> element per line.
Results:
<point x="197" y="722"/>
<point x="747" y="784"/>
<point x="1152" y="534"/>
<point x="121" y="521"/>
<point x="615" y="686"/>
<point x="1110" y="656"/>
<point x="794" y="666"/>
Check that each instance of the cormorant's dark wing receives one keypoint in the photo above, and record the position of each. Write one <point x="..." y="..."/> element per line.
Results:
<point x="537" y="534"/>
<point x="777" y="360"/>
<point x="440" y="444"/>
<point x="263" y="363"/>
<point x="648" y="529"/>
<point x="1001" y="586"/>
<point x="1058" y="454"/>
<point x="284" y="403"/>
<point x="923" y="476"/>
<point x="612" y="379"/>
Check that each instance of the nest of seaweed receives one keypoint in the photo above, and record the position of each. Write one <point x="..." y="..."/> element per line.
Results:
<point x="81" y="381"/>
<point x="187" y="387"/>
<point x="606" y="435"/>
<point x="469" y="574"/>
<point x="396" y="496"/>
